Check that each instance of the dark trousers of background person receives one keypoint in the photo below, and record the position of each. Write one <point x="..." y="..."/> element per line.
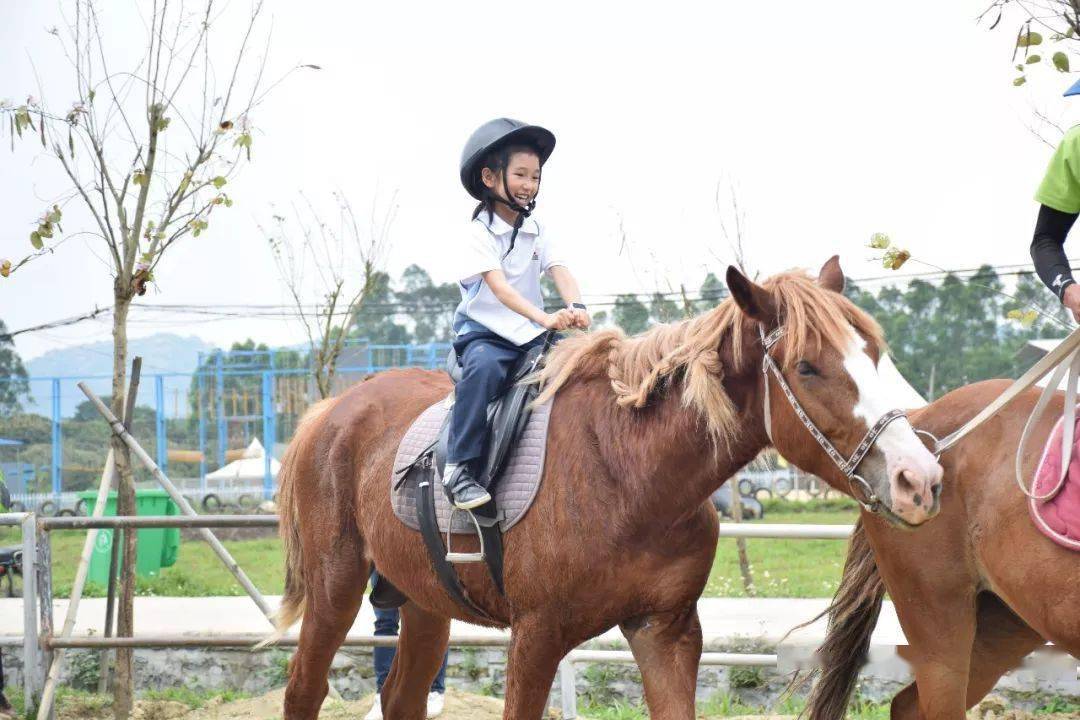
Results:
<point x="386" y="623"/>
<point x="4" y="704"/>
<point x="486" y="360"/>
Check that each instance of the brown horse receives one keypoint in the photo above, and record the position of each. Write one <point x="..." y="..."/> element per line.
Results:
<point x="642" y="430"/>
<point x="975" y="590"/>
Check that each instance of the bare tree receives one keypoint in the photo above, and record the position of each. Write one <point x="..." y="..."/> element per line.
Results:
<point x="342" y="261"/>
<point x="732" y="229"/>
<point x="734" y="239"/>
<point x="1047" y="33"/>
<point x="148" y="149"/>
<point x="1047" y="37"/>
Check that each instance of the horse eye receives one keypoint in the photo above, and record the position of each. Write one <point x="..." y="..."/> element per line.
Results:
<point x="806" y="369"/>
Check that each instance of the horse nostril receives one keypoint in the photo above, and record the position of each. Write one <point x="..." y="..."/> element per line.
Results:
<point x="935" y="490"/>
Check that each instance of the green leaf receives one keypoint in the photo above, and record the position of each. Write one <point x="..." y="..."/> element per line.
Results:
<point x="1061" y="61"/>
<point x="219" y="182"/>
<point x="22" y="119"/>
<point x="139" y="178"/>
<point x="90" y="95"/>
<point x="1032" y="59"/>
<point x="879" y="241"/>
<point x="228" y="201"/>
<point x="5" y="268"/>
<point x="54" y="215"/>
<point x="1026" y="318"/>
<point x="895" y="258"/>
<point x="35" y="240"/>
<point x="1029" y="39"/>
<point x="162" y="124"/>
<point x="1019" y="81"/>
<point x="244" y="140"/>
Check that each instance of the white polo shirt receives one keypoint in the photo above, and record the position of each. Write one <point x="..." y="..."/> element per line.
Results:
<point x="484" y="247"/>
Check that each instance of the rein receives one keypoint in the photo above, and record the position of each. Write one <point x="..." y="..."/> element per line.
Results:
<point x="870" y="501"/>
<point x="1070" y="362"/>
<point x="1053" y="359"/>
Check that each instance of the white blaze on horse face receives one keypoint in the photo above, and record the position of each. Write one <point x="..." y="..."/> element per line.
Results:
<point x="912" y="470"/>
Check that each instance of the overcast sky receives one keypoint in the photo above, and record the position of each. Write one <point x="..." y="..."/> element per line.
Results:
<point x="831" y="120"/>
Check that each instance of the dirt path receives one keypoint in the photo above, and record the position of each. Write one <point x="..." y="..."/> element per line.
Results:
<point x="459" y="706"/>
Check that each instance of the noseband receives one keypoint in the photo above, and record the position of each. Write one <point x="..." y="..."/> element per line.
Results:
<point x="870" y="501"/>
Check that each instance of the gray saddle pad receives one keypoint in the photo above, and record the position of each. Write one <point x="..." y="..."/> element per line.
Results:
<point x="514" y="491"/>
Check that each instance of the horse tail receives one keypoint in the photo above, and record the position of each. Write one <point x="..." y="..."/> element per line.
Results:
<point x="852" y="614"/>
<point x="292" y="469"/>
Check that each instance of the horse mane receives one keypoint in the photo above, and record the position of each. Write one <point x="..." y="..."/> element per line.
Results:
<point x="643" y="366"/>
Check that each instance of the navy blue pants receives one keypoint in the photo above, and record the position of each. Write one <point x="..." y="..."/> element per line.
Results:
<point x="386" y="624"/>
<point x="486" y="360"/>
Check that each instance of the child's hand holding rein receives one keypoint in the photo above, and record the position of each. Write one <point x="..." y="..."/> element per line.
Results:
<point x="559" y="320"/>
<point x="582" y="321"/>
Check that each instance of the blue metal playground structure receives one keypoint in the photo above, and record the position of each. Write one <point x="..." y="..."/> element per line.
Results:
<point x="230" y="398"/>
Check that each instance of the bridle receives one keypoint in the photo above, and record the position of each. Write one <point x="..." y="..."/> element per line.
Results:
<point x="868" y="499"/>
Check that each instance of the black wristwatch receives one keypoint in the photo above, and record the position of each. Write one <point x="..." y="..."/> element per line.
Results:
<point x="578" y="306"/>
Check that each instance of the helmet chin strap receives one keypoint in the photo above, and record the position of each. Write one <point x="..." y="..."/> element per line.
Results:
<point x="522" y="211"/>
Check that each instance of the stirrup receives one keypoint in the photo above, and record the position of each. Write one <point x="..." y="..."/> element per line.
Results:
<point x="460" y="557"/>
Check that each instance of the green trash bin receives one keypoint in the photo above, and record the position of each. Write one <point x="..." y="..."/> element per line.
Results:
<point x="157" y="547"/>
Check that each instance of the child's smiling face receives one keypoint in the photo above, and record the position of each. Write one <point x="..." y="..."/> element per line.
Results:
<point x="522" y="178"/>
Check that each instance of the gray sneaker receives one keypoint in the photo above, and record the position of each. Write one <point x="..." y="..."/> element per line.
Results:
<point x="463" y="489"/>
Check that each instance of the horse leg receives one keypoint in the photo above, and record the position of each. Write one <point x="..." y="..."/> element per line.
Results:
<point x="941" y="634"/>
<point x="1002" y="640"/>
<point x="333" y="594"/>
<point x="421" y="647"/>
<point x="667" y="648"/>
<point x="536" y="647"/>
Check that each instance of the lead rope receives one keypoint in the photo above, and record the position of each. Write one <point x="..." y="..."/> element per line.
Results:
<point x="1053" y="359"/>
<point x="1072" y="365"/>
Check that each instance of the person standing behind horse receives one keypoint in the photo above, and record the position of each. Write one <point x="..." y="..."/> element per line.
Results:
<point x="1059" y="199"/>
<point x="501" y="315"/>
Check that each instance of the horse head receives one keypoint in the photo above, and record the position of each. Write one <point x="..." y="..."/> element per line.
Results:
<point x="825" y="405"/>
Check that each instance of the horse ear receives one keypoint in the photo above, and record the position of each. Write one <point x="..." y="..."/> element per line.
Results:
<point x="755" y="301"/>
<point x="831" y="276"/>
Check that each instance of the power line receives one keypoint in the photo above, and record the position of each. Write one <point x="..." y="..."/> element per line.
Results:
<point x="224" y="311"/>
<point x="7" y="337"/>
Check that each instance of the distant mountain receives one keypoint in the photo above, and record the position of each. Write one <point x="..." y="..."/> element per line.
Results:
<point x="167" y="354"/>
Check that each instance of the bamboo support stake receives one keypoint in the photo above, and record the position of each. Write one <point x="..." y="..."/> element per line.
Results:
<point x="48" y="694"/>
<point x="185" y="506"/>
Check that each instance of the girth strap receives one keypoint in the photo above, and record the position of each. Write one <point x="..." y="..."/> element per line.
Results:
<point x="429" y="529"/>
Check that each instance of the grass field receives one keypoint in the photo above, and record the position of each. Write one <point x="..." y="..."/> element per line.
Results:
<point x="781" y="568"/>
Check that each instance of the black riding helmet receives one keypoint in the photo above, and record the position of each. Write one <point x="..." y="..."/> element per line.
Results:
<point x="490" y="138"/>
<point x="492" y="135"/>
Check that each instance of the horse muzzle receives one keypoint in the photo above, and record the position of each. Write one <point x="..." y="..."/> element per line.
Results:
<point x="915" y="490"/>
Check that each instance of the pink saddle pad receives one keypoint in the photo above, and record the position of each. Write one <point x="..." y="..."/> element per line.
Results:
<point x="1058" y="517"/>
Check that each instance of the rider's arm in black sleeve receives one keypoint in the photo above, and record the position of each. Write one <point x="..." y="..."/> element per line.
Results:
<point x="1048" y="248"/>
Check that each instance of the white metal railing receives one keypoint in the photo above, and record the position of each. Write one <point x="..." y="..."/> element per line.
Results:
<point x="38" y="642"/>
